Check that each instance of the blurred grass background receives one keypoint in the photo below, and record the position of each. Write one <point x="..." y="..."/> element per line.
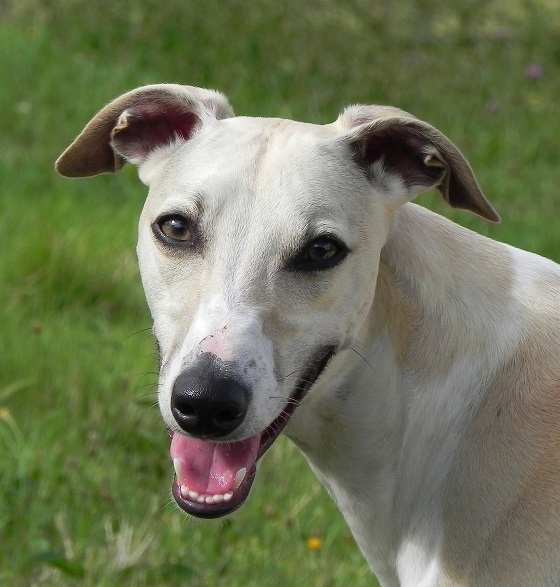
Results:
<point x="84" y="469"/>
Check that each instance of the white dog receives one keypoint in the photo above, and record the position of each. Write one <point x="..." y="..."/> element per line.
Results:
<point x="293" y="286"/>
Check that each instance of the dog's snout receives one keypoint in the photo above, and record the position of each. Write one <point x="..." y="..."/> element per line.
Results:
<point x="207" y="401"/>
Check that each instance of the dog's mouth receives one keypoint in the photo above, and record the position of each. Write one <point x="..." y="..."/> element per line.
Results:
<point x="213" y="479"/>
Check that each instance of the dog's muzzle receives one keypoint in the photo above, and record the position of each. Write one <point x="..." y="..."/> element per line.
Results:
<point x="213" y="476"/>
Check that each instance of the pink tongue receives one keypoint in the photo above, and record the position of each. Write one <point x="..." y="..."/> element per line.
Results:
<point x="209" y="467"/>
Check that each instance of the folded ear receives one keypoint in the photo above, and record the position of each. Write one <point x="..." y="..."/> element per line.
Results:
<point x="131" y="127"/>
<point x="392" y="144"/>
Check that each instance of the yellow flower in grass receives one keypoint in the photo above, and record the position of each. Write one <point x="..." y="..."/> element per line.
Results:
<point x="314" y="543"/>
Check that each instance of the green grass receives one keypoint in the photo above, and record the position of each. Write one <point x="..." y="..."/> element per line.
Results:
<point x="83" y="453"/>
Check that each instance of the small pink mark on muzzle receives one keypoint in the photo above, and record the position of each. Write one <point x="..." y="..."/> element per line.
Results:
<point x="216" y="344"/>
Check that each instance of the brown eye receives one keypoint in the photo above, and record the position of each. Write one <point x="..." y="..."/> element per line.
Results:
<point x="176" y="228"/>
<point x="322" y="250"/>
<point x="321" y="253"/>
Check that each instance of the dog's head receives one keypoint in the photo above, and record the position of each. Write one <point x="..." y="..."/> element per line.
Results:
<point x="259" y="247"/>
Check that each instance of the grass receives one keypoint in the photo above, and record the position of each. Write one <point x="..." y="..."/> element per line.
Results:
<point x="85" y="472"/>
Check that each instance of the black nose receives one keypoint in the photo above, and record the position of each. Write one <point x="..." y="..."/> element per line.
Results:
<point x="207" y="401"/>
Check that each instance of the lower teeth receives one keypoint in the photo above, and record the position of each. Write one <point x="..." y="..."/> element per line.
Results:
<point x="194" y="496"/>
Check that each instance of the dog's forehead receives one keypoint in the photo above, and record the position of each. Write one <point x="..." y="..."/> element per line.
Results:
<point x="262" y="162"/>
<point x="246" y="147"/>
<point x="264" y="135"/>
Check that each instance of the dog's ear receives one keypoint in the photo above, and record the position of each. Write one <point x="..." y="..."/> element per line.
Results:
<point x="391" y="143"/>
<point x="131" y="127"/>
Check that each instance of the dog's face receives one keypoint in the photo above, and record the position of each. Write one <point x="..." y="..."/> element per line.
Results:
<point x="259" y="246"/>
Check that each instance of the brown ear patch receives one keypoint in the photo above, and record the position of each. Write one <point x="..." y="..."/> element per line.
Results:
<point x="418" y="153"/>
<point x="132" y="136"/>
<point x="130" y="127"/>
<point x="90" y="154"/>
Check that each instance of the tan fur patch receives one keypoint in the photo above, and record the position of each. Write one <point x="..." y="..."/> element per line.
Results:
<point x="425" y="329"/>
<point x="503" y="507"/>
<point x="400" y="316"/>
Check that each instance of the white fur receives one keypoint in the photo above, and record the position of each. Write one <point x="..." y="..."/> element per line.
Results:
<point x="411" y="425"/>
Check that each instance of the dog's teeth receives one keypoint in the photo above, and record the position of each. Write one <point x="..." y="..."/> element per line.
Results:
<point x="209" y="499"/>
<point x="240" y="475"/>
<point x="178" y="468"/>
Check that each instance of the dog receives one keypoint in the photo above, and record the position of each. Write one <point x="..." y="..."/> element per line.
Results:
<point x="294" y="287"/>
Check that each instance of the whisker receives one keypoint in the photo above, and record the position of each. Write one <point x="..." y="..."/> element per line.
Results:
<point x="148" y="393"/>
<point x="169" y="503"/>
<point x="286" y="376"/>
<point x="145" y="374"/>
<point x="152" y="406"/>
<point x="363" y="358"/>
<point x="359" y="344"/>
<point x="138" y="332"/>
<point x="288" y="400"/>
<point x="155" y="414"/>
<point x="151" y="386"/>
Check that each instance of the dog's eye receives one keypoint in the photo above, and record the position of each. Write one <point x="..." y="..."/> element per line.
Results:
<point x="175" y="228"/>
<point x="321" y="253"/>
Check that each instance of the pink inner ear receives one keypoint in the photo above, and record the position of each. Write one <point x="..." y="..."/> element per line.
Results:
<point x="145" y="127"/>
<point x="402" y="154"/>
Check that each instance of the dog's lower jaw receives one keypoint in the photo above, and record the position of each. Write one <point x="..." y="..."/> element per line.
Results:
<point x="209" y="504"/>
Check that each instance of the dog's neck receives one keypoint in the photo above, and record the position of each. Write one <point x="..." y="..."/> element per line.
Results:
<point x="410" y="396"/>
